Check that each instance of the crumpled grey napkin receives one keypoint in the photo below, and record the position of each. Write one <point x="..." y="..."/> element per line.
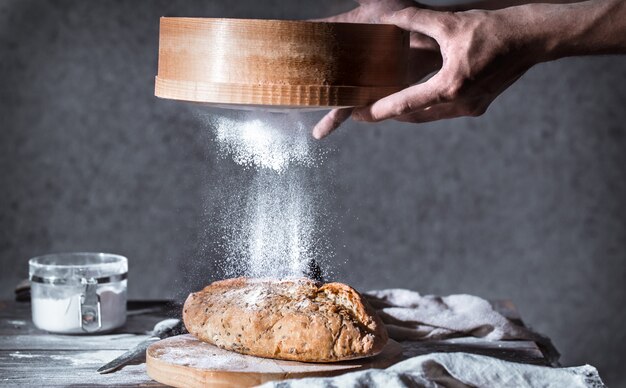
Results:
<point x="411" y="316"/>
<point x="456" y="370"/>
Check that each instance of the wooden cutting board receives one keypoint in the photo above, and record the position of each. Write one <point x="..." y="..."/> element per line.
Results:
<point x="183" y="361"/>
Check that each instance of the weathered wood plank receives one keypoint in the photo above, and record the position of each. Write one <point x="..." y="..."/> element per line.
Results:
<point x="67" y="342"/>
<point x="67" y="368"/>
<point x="17" y="326"/>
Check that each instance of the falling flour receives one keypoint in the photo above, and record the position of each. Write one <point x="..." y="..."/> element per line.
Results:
<point x="272" y="141"/>
<point x="275" y="228"/>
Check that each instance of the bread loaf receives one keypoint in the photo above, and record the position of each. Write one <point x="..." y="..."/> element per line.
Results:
<point x="295" y="319"/>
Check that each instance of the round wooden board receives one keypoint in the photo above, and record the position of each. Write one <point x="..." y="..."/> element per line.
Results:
<point x="286" y="63"/>
<point x="184" y="361"/>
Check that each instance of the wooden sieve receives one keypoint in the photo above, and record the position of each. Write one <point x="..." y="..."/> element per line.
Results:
<point x="279" y="63"/>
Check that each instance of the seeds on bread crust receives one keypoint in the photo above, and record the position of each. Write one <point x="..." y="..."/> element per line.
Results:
<point x="294" y="319"/>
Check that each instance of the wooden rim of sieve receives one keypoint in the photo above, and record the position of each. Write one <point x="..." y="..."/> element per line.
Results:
<point x="291" y="64"/>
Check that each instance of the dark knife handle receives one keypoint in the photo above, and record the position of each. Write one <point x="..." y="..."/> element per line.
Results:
<point x="138" y="353"/>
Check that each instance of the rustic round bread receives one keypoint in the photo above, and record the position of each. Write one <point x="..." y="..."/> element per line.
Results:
<point x="295" y="319"/>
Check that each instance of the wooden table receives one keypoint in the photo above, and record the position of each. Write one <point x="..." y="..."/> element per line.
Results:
<point x="31" y="357"/>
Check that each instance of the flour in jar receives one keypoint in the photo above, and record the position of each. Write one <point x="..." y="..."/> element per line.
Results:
<point x="62" y="314"/>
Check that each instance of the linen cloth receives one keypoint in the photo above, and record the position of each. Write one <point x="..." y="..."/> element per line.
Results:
<point x="410" y="316"/>
<point x="456" y="370"/>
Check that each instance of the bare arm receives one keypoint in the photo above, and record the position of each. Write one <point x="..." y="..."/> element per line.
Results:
<point x="584" y="28"/>
<point x="498" y="4"/>
<point x="484" y="52"/>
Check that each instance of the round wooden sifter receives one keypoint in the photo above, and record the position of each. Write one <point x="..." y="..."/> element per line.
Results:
<point x="183" y="361"/>
<point x="277" y="64"/>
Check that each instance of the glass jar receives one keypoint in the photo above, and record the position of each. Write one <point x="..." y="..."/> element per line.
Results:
<point x="75" y="293"/>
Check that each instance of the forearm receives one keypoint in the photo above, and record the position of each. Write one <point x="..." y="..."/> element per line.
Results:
<point x="499" y="4"/>
<point x="584" y="28"/>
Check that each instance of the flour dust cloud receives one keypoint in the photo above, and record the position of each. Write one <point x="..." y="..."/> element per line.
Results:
<point x="274" y="226"/>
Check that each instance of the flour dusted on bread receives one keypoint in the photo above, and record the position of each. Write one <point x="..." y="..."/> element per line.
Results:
<point x="293" y="319"/>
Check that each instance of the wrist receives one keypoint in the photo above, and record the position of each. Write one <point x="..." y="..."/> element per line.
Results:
<point x="552" y="31"/>
<point x="529" y="30"/>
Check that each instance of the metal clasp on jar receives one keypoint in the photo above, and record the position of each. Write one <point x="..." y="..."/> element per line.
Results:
<point x="90" y="316"/>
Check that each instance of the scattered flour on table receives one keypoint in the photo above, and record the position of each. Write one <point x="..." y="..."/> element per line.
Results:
<point x="88" y="358"/>
<point x="98" y="357"/>
<point x="24" y="355"/>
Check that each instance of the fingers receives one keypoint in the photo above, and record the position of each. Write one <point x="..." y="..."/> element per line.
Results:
<point x="414" y="19"/>
<point x="414" y="103"/>
<point x="369" y="11"/>
<point x="350" y="16"/>
<point x="418" y="97"/>
<point x="411" y="99"/>
<point x="430" y="113"/>
<point x="330" y="122"/>
<point x="450" y="110"/>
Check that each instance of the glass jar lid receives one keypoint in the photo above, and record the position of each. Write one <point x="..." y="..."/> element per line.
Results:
<point x="78" y="267"/>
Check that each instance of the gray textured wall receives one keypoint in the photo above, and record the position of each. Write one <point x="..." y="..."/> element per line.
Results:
<point x="527" y="202"/>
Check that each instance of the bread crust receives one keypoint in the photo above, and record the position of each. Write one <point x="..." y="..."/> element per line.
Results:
<point x="295" y="319"/>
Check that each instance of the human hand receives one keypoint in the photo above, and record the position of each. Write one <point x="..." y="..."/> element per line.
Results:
<point x="483" y="53"/>
<point x="424" y="57"/>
